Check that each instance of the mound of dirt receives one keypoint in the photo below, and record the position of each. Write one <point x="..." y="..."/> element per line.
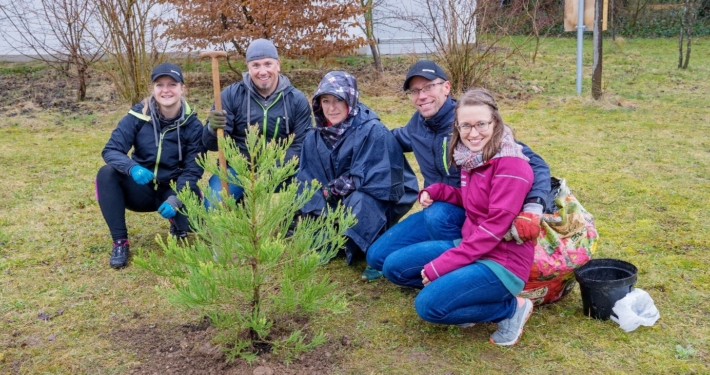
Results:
<point x="188" y="350"/>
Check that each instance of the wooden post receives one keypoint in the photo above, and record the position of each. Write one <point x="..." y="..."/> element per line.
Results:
<point x="597" y="41"/>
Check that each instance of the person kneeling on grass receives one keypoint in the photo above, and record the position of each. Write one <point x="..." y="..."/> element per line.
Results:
<point x="166" y="138"/>
<point x="357" y="163"/>
<point x="475" y="279"/>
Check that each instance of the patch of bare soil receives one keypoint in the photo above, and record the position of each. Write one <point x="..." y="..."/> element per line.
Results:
<point x="188" y="350"/>
<point x="25" y="93"/>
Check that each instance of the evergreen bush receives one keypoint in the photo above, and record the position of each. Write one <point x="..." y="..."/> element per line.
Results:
<point x="256" y="286"/>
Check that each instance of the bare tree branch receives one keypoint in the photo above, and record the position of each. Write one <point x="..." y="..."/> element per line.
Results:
<point x="56" y="33"/>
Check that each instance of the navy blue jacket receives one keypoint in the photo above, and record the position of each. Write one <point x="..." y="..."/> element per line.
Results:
<point x="135" y="130"/>
<point x="286" y="111"/>
<point x="429" y="140"/>
<point x="367" y="154"/>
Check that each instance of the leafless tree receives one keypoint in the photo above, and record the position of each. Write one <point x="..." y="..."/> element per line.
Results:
<point x="465" y="33"/>
<point x="368" y="27"/>
<point x="133" y="44"/>
<point x="55" y="32"/>
<point x="689" y="16"/>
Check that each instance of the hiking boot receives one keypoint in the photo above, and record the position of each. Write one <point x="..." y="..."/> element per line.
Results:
<point x="370" y="274"/>
<point x="510" y="330"/>
<point x="177" y="233"/>
<point x="119" y="254"/>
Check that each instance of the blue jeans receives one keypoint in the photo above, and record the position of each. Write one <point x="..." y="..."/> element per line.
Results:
<point x="236" y="191"/>
<point x="470" y="294"/>
<point x="440" y="221"/>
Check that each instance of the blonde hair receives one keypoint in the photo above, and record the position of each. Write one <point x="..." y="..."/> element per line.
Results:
<point x="146" y="100"/>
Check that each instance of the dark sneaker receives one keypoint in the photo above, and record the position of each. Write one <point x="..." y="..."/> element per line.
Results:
<point x="510" y="330"/>
<point x="177" y="233"/>
<point x="291" y="229"/>
<point x="119" y="254"/>
<point x="292" y="226"/>
<point x="370" y="274"/>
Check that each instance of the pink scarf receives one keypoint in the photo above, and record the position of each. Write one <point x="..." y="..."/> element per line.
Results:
<point x="470" y="160"/>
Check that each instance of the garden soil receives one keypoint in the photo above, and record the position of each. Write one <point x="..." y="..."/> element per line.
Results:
<point x="188" y="350"/>
<point x="165" y="349"/>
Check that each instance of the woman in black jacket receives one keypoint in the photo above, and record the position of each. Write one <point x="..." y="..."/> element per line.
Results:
<point x="166" y="138"/>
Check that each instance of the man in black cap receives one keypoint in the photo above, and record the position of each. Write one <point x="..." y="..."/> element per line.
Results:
<point x="265" y="98"/>
<point x="427" y="135"/>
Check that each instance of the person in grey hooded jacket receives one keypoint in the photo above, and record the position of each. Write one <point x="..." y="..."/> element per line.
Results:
<point x="264" y="98"/>
<point x="357" y="161"/>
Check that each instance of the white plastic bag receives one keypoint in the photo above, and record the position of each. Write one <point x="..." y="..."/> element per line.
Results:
<point x="635" y="309"/>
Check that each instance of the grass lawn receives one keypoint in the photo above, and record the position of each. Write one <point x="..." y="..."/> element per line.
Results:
<point x="638" y="160"/>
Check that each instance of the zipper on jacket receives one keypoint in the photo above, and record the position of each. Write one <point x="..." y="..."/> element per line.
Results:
<point x="443" y="157"/>
<point x="157" y="161"/>
<point x="265" y="122"/>
<point x="160" y="151"/>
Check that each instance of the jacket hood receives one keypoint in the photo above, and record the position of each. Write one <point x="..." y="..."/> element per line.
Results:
<point x="341" y="85"/>
<point x="283" y="84"/>
<point x="147" y="110"/>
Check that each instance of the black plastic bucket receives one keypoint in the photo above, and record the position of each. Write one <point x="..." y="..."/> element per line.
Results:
<point x="602" y="282"/>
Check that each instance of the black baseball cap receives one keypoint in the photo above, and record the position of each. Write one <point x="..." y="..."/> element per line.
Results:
<point x="167" y="69"/>
<point x="424" y="68"/>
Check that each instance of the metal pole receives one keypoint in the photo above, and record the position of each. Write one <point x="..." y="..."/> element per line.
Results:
<point x="580" y="44"/>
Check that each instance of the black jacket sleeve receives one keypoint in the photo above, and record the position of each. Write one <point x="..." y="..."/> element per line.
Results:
<point x="302" y="121"/>
<point x="115" y="153"/>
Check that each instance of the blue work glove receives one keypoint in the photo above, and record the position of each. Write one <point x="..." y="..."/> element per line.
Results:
<point x="169" y="208"/>
<point x="141" y="175"/>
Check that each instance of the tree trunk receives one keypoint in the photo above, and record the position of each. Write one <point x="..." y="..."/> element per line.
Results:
<point x="370" y="33"/>
<point x="683" y="31"/>
<point x="611" y="19"/>
<point x="376" y="56"/>
<point x="680" y="46"/>
<point x="81" y="90"/>
<point x="597" y="38"/>
<point x="687" y="53"/>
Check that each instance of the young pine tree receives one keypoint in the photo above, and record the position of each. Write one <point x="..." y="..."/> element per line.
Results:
<point x="240" y="270"/>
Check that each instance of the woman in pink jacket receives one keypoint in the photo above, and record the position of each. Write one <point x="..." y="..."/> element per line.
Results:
<point x="475" y="279"/>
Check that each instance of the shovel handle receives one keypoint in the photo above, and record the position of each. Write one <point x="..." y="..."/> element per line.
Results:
<point x="214" y="56"/>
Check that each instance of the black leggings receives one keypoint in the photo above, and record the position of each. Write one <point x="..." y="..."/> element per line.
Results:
<point x="117" y="192"/>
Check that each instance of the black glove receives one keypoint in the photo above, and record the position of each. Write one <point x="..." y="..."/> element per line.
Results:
<point x="217" y="120"/>
<point x="342" y="186"/>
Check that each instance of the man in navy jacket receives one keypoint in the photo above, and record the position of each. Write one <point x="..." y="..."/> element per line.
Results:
<point x="427" y="135"/>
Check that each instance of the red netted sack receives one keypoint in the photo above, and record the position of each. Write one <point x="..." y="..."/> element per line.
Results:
<point x="568" y="239"/>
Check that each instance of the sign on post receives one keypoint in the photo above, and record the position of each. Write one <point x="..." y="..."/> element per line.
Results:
<point x="571" y="14"/>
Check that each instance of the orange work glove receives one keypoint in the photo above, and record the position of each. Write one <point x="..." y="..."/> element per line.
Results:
<point x="527" y="224"/>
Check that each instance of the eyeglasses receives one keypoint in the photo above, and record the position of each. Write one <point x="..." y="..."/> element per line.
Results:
<point x="480" y="127"/>
<point x="427" y="88"/>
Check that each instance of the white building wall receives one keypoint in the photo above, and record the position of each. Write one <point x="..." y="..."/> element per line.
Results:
<point x="396" y="36"/>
